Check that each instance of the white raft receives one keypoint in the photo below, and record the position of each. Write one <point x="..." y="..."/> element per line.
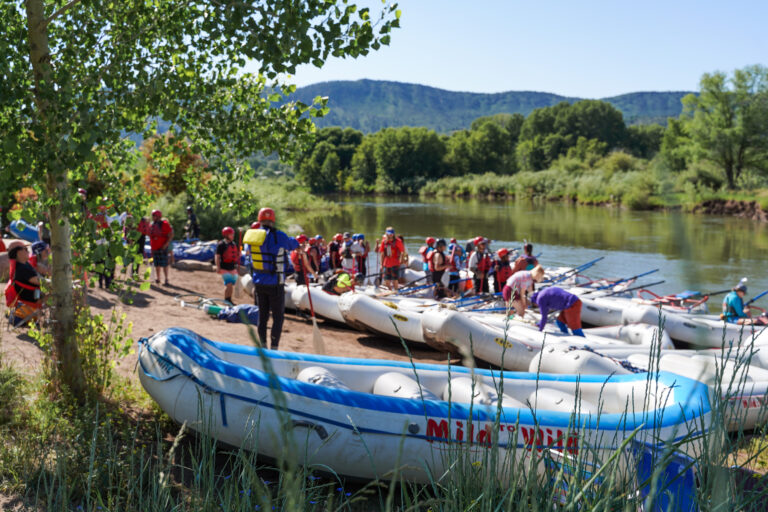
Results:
<point x="381" y="316"/>
<point x="699" y="330"/>
<point x="371" y="418"/>
<point x="324" y="304"/>
<point x="741" y="386"/>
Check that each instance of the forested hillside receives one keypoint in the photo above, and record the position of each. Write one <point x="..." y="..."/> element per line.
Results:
<point x="370" y="105"/>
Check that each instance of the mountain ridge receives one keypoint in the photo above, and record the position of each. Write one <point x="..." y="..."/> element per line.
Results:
<point x="370" y="105"/>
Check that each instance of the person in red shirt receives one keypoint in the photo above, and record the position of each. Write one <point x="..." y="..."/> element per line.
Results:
<point x="160" y="237"/>
<point x="391" y="248"/>
<point x="227" y="256"/>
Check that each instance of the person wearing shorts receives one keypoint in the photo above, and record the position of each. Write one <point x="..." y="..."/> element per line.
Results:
<point x="518" y="286"/>
<point x="227" y="255"/>
<point x="160" y="236"/>
<point x="391" y="249"/>
<point x="557" y="299"/>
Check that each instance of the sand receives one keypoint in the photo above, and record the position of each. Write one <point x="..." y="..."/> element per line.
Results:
<point x="156" y="309"/>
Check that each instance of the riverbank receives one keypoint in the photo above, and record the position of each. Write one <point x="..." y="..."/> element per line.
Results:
<point x="635" y="190"/>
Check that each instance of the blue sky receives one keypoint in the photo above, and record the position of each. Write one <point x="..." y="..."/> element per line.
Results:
<point x="587" y="49"/>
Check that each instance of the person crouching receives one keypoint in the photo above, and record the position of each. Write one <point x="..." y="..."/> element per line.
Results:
<point x="557" y="299"/>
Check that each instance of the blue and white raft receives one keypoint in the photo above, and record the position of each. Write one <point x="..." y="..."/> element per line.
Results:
<point x="375" y="419"/>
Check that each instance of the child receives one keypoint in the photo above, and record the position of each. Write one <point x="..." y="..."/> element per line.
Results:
<point x="227" y="255"/>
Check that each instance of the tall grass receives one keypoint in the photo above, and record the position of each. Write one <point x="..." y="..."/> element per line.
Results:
<point x="110" y="455"/>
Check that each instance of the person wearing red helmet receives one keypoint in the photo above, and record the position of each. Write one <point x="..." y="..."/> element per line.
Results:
<point x="160" y="237"/>
<point x="227" y="256"/>
<point x="391" y="249"/>
<point x="302" y="266"/>
<point x="501" y="270"/>
<point x="334" y="252"/>
<point x="480" y="264"/>
<point x="267" y="248"/>
<point x="426" y="251"/>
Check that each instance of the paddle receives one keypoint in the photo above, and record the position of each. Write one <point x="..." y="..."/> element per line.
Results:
<point x="621" y="281"/>
<point x="317" y="338"/>
<point x="408" y="285"/>
<point x="567" y="273"/>
<point x="753" y="299"/>
<point x="634" y="288"/>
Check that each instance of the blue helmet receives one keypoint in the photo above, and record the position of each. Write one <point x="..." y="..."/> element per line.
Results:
<point x="355" y="237"/>
<point x="360" y="236"/>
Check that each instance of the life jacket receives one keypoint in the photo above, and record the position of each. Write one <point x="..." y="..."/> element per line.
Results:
<point x="296" y="260"/>
<point x="503" y="272"/>
<point x="484" y="262"/>
<point x="264" y="261"/>
<point x="425" y="252"/>
<point x="389" y="247"/>
<point x="312" y="260"/>
<point x="231" y="254"/>
<point x="12" y="294"/>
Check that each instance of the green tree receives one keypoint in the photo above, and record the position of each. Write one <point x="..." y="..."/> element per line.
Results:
<point x="728" y="121"/>
<point x="644" y="140"/>
<point x="78" y="75"/>
<point x="407" y="157"/>
<point x="362" y="177"/>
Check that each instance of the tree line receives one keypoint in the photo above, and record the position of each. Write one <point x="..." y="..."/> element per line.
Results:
<point x="721" y="135"/>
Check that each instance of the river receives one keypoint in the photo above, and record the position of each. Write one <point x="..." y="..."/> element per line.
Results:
<point x="692" y="252"/>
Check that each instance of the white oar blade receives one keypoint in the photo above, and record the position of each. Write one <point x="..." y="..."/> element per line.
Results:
<point x="317" y="338"/>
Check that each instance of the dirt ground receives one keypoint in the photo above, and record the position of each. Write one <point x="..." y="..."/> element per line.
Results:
<point x="156" y="309"/>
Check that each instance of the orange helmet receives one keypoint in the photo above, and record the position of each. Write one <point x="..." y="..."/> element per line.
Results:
<point x="266" y="214"/>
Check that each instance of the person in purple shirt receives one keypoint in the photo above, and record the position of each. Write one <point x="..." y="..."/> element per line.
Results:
<point x="557" y="299"/>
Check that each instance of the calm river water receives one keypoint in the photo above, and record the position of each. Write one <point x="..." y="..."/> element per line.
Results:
<point x="694" y="252"/>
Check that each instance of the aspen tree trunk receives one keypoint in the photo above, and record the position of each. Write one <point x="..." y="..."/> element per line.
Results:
<point x="66" y="356"/>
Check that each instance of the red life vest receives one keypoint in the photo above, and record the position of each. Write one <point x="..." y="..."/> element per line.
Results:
<point x="296" y="260"/>
<point x="11" y="295"/>
<point x="230" y="254"/>
<point x="484" y="262"/>
<point x="503" y="272"/>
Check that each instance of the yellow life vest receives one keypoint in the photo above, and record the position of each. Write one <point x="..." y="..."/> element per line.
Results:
<point x="255" y="238"/>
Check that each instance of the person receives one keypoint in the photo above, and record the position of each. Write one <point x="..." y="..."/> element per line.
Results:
<point x="267" y="247"/>
<point x="557" y="299"/>
<point x="191" y="228"/>
<point x="362" y="257"/>
<point x="501" y="269"/>
<point x="527" y="261"/>
<point x="300" y="261"/>
<point x="350" y="251"/>
<point x="313" y="255"/>
<point x="22" y="293"/>
<point x="734" y="311"/>
<point x="480" y="264"/>
<point x="439" y="265"/>
<point x="391" y="250"/>
<point x="227" y="256"/>
<point x="334" y="252"/>
<point x="140" y="241"/>
<point x="338" y="284"/>
<point x="160" y="236"/>
<point x="455" y="263"/>
<point x="426" y="251"/>
<point x="39" y="259"/>
<point x="519" y="285"/>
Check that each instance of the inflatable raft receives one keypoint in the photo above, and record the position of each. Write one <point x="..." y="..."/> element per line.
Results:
<point x="374" y="419"/>
<point x="705" y="331"/>
<point x="381" y="316"/>
<point x="742" y="386"/>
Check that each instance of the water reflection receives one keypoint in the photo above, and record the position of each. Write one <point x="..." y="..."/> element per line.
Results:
<point x="692" y="251"/>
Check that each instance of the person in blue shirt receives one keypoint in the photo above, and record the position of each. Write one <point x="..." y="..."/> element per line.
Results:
<point x="734" y="311"/>
<point x="269" y="249"/>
